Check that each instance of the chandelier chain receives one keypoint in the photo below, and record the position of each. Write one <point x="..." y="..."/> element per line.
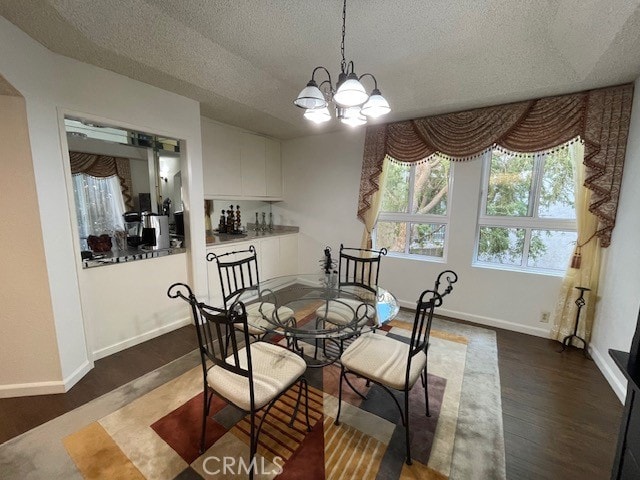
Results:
<point x="343" y="64"/>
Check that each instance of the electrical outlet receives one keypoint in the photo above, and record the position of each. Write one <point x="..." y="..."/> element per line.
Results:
<point x="544" y="317"/>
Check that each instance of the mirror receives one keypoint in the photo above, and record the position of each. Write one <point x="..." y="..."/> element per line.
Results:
<point x="115" y="171"/>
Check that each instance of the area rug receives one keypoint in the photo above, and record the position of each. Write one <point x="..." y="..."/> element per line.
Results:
<point x="149" y="428"/>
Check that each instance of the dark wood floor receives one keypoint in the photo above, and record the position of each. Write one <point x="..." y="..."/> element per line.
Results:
<point x="17" y="415"/>
<point x="560" y="416"/>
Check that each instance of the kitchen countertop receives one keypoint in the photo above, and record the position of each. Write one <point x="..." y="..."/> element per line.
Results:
<point x="116" y="256"/>
<point x="250" y="235"/>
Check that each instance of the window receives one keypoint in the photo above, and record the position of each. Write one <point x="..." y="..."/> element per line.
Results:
<point x="527" y="215"/>
<point x="414" y="212"/>
<point x="99" y="205"/>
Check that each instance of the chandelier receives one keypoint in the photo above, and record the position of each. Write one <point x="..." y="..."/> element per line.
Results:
<point x="352" y="103"/>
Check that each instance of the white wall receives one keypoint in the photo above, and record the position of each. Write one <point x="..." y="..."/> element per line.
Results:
<point x="321" y="180"/>
<point x="619" y="295"/>
<point x="128" y="305"/>
<point x="321" y="175"/>
<point x="52" y="86"/>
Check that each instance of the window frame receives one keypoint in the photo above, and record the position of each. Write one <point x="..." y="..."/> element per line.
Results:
<point x="528" y="223"/>
<point x="418" y="218"/>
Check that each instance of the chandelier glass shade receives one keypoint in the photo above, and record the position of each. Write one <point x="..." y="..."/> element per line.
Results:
<point x="317" y="115"/>
<point x="311" y="97"/>
<point x="353" y="105"/>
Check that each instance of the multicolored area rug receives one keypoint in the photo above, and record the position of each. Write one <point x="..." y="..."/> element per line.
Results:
<point x="149" y="429"/>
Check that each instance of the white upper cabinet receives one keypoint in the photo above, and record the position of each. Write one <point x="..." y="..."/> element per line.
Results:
<point x="253" y="165"/>
<point x="273" y="166"/>
<point x="221" y="159"/>
<point x="240" y="164"/>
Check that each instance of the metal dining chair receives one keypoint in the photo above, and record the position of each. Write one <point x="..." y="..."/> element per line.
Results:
<point x="252" y="376"/>
<point x="394" y="364"/>
<point x="238" y="271"/>
<point x="357" y="267"/>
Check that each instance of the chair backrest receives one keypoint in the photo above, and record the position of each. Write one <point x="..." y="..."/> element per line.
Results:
<point x="212" y="325"/>
<point x="450" y="277"/>
<point x="429" y="300"/>
<point x="359" y="267"/>
<point x="238" y="271"/>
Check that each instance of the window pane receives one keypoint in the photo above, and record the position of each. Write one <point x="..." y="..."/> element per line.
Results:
<point x="431" y="186"/>
<point x="557" y="188"/>
<point x="501" y="245"/>
<point x="391" y="235"/>
<point x="551" y="249"/>
<point x="396" y="192"/>
<point x="427" y="239"/>
<point x="509" y="184"/>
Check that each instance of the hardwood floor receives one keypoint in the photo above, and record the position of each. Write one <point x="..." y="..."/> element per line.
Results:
<point x="561" y="418"/>
<point x="17" y="415"/>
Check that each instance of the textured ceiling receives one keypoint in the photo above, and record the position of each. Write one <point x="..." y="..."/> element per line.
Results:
<point x="246" y="61"/>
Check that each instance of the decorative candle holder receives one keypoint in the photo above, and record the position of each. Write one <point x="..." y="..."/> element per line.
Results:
<point x="580" y="302"/>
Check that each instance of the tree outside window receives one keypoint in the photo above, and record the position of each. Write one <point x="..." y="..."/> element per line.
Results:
<point x="414" y="212"/>
<point x="527" y="216"/>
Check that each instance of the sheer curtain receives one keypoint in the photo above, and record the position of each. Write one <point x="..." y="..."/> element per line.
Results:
<point x="371" y="216"/>
<point x="588" y="272"/>
<point x="99" y="205"/>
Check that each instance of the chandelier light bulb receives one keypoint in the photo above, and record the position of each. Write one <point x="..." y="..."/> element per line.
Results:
<point x="318" y="115"/>
<point x="351" y="116"/>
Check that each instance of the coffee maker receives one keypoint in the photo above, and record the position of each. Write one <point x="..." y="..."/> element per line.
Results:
<point x="133" y="228"/>
<point x="155" y="230"/>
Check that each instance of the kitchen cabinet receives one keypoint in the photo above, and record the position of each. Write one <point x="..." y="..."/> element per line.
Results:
<point x="277" y="256"/>
<point x="220" y="156"/>
<point x="240" y="164"/>
<point x="253" y="165"/>
<point x="288" y="255"/>
<point x="273" y="168"/>
<point x="269" y="258"/>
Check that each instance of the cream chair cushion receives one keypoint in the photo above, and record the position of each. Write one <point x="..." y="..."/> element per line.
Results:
<point x="258" y="314"/>
<point x="383" y="360"/>
<point x="344" y="311"/>
<point x="274" y="369"/>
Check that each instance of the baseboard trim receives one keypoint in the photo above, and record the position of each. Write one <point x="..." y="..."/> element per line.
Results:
<point x="614" y="382"/>
<point x="130" y="342"/>
<point x="31" y="389"/>
<point x="77" y="375"/>
<point x="63" y="386"/>
<point x="488" y="321"/>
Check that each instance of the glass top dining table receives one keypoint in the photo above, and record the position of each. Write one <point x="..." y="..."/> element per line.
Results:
<point x="316" y="306"/>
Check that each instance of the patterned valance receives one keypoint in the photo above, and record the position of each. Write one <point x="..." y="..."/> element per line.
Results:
<point x="104" y="166"/>
<point x="599" y="117"/>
